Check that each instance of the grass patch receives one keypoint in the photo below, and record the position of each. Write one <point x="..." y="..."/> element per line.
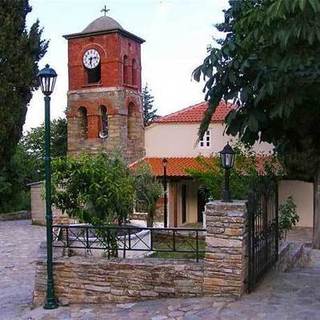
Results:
<point x="181" y="244"/>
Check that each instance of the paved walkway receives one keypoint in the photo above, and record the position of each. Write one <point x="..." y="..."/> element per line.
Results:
<point x="281" y="296"/>
<point x="19" y="243"/>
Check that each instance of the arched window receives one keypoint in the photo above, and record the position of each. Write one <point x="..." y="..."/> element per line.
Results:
<point x="103" y="133"/>
<point x="134" y="73"/>
<point x="83" y="122"/>
<point x="125" y="70"/>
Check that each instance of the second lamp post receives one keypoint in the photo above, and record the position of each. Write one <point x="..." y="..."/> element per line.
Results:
<point x="227" y="156"/>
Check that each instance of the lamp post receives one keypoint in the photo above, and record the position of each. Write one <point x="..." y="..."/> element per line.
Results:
<point x="227" y="156"/>
<point x="47" y="79"/>
<point x="165" y="205"/>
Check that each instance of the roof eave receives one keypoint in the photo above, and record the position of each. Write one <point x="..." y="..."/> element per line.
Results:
<point x="97" y="33"/>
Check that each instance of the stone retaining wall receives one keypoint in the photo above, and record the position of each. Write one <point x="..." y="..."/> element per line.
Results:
<point x="98" y="280"/>
<point x="19" y="215"/>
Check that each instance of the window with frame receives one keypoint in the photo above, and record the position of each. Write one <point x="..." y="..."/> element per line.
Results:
<point x="205" y="141"/>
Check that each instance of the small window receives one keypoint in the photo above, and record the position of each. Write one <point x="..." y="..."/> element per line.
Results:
<point x="134" y="73"/>
<point x="103" y="133"/>
<point x="125" y="70"/>
<point x="83" y="122"/>
<point x="205" y="142"/>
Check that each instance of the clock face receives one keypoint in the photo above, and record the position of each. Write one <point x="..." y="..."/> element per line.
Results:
<point x="91" y="59"/>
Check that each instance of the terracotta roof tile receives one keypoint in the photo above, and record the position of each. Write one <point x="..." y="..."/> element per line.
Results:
<point x="176" y="167"/>
<point x="195" y="114"/>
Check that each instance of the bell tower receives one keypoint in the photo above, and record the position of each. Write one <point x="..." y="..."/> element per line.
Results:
<point x="104" y="98"/>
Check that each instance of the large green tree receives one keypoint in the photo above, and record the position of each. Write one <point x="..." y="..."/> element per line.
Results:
<point x="268" y="64"/>
<point x="149" y="112"/>
<point x="20" y="52"/>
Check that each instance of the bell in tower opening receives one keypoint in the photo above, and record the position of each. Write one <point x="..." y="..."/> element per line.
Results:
<point x="104" y="97"/>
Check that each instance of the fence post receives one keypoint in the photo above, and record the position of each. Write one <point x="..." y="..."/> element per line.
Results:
<point x="225" y="268"/>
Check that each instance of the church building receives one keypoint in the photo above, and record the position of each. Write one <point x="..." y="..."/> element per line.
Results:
<point x="104" y="110"/>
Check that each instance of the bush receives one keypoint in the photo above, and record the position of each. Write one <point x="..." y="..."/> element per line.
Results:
<point x="148" y="191"/>
<point x="288" y="217"/>
<point x="246" y="172"/>
<point x="97" y="189"/>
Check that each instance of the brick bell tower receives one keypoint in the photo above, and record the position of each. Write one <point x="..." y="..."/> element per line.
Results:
<point x="104" y="98"/>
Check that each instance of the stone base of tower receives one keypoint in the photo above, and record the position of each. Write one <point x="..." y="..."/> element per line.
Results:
<point x="124" y="122"/>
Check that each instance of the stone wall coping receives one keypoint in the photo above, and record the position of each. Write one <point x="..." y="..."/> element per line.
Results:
<point x="156" y="262"/>
<point x="227" y="204"/>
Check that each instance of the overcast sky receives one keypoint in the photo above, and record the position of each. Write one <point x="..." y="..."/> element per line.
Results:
<point x="177" y="33"/>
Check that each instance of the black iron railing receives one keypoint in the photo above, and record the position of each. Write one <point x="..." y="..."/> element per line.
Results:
<point x="263" y="232"/>
<point x="123" y="241"/>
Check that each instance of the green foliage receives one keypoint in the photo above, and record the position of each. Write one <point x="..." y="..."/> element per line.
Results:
<point x="288" y="216"/>
<point x="243" y="176"/>
<point x="268" y="64"/>
<point x="27" y="165"/>
<point x="148" y="191"/>
<point x="20" y="52"/>
<point x="33" y="145"/>
<point x="149" y="113"/>
<point x="97" y="189"/>
<point x="14" y="193"/>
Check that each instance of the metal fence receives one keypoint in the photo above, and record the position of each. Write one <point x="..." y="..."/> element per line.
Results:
<point x="132" y="241"/>
<point x="263" y="231"/>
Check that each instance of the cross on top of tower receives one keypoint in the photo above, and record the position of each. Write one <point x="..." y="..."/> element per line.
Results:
<point x="105" y="10"/>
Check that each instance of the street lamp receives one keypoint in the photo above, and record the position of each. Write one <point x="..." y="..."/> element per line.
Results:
<point x="165" y="205"/>
<point x="227" y="156"/>
<point x="47" y="79"/>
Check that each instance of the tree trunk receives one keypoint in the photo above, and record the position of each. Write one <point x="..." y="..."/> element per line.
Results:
<point x="150" y="219"/>
<point x="316" y="211"/>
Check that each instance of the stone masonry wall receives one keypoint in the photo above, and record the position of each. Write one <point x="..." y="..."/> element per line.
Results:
<point x="96" y="280"/>
<point x="125" y="122"/>
<point x="225" y="259"/>
<point x="91" y="279"/>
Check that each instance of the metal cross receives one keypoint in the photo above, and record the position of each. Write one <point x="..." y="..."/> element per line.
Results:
<point x="105" y="10"/>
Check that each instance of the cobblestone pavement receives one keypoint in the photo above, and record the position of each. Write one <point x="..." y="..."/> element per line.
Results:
<point x="19" y="243"/>
<point x="281" y="296"/>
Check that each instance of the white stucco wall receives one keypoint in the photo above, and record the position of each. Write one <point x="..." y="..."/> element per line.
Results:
<point x="180" y="140"/>
<point x="302" y="194"/>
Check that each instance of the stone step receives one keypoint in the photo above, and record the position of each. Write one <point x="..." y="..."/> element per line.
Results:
<point x="293" y="255"/>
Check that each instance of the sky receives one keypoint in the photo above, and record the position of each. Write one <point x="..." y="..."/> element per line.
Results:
<point x="177" y="33"/>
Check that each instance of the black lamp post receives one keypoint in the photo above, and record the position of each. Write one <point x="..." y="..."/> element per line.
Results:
<point x="47" y="78"/>
<point x="227" y="156"/>
<point x="165" y="205"/>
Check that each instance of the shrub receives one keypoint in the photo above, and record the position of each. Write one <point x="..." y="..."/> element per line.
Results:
<point x="97" y="189"/>
<point x="288" y="217"/>
<point x="148" y="191"/>
<point x="246" y="172"/>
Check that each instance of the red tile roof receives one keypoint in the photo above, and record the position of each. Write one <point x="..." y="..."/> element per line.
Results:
<point x="195" y="114"/>
<point x="176" y="167"/>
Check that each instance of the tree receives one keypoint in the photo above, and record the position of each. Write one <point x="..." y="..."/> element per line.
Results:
<point x="97" y="189"/>
<point x="33" y="144"/>
<point x="27" y="165"/>
<point x="268" y="64"/>
<point x="147" y="190"/>
<point x="20" y="52"/>
<point x="149" y="113"/>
